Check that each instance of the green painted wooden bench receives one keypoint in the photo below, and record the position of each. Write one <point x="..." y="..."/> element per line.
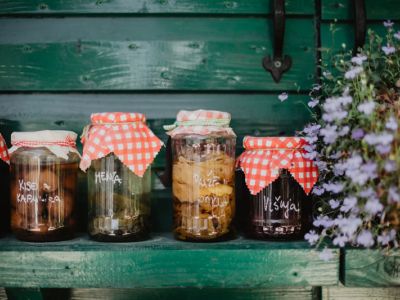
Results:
<point x="62" y="60"/>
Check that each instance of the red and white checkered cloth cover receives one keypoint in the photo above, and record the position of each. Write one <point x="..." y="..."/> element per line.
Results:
<point x="124" y="134"/>
<point x="3" y="150"/>
<point x="200" y="122"/>
<point x="264" y="156"/>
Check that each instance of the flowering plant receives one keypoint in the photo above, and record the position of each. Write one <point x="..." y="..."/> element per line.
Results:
<point x="355" y="142"/>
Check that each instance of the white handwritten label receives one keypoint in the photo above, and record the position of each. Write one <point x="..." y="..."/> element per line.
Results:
<point x="210" y="181"/>
<point x="279" y="204"/>
<point x="101" y="177"/>
<point x="29" y="193"/>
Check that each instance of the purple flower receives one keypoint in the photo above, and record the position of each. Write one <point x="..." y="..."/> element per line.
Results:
<point x="340" y="240"/>
<point x="390" y="166"/>
<point x="385" y="238"/>
<point x="283" y="96"/>
<point x="359" y="59"/>
<point x="367" y="193"/>
<point x="383" y="138"/>
<point x="334" y="203"/>
<point x="393" y="195"/>
<point x="369" y="169"/>
<point x="348" y="226"/>
<point x="322" y="165"/>
<point x="312" y="237"/>
<point x="388" y="23"/>
<point x="397" y="35"/>
<point x="329" y="133"/>
<point x="365" y="239"/>
<point x="357" y="134"/>
<point x="348" y="204"/>
<point x="383" y="149"/>
<point x="391" y="124"/>
<point x="318" y="190"/>
<point x="313" y="102"/>
<point x="353" y="72"/>
<point x="324" y="221"/>
<point x="373" y="206"/>
<point x="312" y="129"/>
<point x="366" y="107"/>
<point x="388" y="49"/>
<point x="334" y="187"/>
<point x="326" y="254"/>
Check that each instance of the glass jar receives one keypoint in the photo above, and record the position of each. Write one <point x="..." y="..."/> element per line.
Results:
<point x="119" y="201"/>
<point x="279" y="176"/>
<point x="43" y="192"/>
<point x="281" y="210"/>
<point x="203" y="177"/>
<point x="4" y="188"/>
<point x="118" y="151"/>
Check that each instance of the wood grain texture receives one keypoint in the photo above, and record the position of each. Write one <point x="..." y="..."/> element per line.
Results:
<point x="103" y="54"/>
<point x="371" y="268"/>
<point x="163" y="262"/>
<point x="376" y="10"/>
<point x="346" y="293"/>
<point x="193" y="294"/>
<point x="145" y="7"/>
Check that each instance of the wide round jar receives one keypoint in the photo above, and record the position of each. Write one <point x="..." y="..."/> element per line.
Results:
<point x="203" y="176"/>
<point x="4" y="188"/>
<point x="43" y="171"/>
<point x="279" y="177"/>
<point x="118" y="151"/>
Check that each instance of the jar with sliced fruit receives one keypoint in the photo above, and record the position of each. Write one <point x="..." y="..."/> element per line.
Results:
<point x="203" y="169"/>
<point x="4" y="187"/>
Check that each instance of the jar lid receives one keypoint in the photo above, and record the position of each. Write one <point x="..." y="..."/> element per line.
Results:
<point x="59" y="142"/>
<point x="3" y="150"/>
<point x="202" y="122"/>
<point x="124" y="134"/>
<point x="265" y="156"/>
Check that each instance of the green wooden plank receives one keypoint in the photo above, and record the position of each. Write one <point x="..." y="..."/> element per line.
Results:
<point x="256" y="7"/>
<point x="24" y="294"/>
<point x="376" y="10"/>
<point x="346" y="293"/>
<point x="163" y="262"/>
<point x="74" y="54"/>
<point x="193" y="294"/>
<point x="371" y="268"/>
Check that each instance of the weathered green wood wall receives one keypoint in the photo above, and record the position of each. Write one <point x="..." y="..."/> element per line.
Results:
<point x="62" y="60"/>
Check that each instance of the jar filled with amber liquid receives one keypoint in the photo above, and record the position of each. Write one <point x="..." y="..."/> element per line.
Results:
<point x="118" y="151"/>
<point x="43" y="171"/>
<point x="203" y="168"/>
<point x="4" y="188"/>
<point x="279" y="178"/>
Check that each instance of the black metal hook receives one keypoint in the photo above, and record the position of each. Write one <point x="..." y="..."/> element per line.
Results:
<point x="279" y="63"/>
<point x="360" y="24"/>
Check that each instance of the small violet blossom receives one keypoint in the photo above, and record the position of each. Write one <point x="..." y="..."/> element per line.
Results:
<point x="324" y="221"/>
<point x="326" y="254"/>
<point x="313" y="102"/>
<point x="397" y="35"/>
<point x="312" y="237"/>
<point x="353" y="72"/>
<point x="359" y="59"/>
<point x="318" y="191"/>
<point x="383" y="138"/>
<point x="329" y="133"/>
<point x="393" y="195"/>
<point x="340" y="240"/>
<point x="283" y="96"/>
<point x="348" y="204"/>
<point x="385" y="238"/>
<point x="373" y="206"/>
<point x="334" y="203"/>
<point x="390" y="166"/>
<point x="388" y="49"/>
<point x="348" y="226"/>
<point x="357" y="134"/>
<point x="365" y="239"/>
<point x="334" y="187"/>
<point x="366" y="108"/>
<point x="388" y="23"/>
<point x="391" y="124"/>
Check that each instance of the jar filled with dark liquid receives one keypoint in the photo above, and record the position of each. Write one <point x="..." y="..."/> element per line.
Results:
<point x="43" y="171"/>
<point x="4" y="188"/>
<point x="278" y="178"/>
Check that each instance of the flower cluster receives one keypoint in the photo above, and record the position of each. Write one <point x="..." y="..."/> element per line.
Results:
<point x="355" y="141"/>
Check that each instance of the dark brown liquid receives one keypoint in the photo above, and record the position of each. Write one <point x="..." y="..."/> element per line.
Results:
<point x="279" y="211"/>
<point x="42" y="201"/>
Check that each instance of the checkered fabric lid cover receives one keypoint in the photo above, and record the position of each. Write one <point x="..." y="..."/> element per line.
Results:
<point x="200" y="122"/>
<point x="3" y="150"/>
<point x="264" y="156"/>
<point x="124" y="134"/>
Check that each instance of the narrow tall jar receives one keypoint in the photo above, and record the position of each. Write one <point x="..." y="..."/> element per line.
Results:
<point x="279" y="177"/>
<point x="4" y="187"/>
<point x="118" y="151"/>
<point x="43" y="171"/>
<point x="203" y="169"/>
